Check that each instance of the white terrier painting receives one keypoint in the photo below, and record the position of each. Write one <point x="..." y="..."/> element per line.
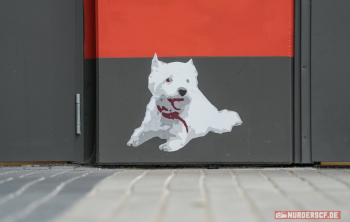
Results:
<point x="178" y="111"/>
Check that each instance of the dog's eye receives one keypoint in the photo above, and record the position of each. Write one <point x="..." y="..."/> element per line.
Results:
<point x="169" y="80"/>
<point x="187" y="80"/>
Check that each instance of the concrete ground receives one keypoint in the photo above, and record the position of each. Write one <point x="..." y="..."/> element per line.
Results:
<point x="86" y="194"/>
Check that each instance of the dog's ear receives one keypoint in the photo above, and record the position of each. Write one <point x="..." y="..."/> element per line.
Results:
<point x="190" y="62"/>
<point x="155" y="61"/>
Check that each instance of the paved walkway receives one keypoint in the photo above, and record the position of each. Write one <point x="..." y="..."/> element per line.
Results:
<point x="230" y="194"/>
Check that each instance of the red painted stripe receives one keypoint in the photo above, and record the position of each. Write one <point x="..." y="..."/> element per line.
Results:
<point x="139" y="28"/>
<point x="90" y="30"/>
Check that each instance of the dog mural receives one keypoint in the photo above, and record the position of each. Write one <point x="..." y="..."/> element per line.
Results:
<point x="178" y="111"/>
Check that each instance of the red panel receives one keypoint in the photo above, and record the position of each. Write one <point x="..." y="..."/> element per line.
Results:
<point x="139" y="28"/>
<point x="90" y="30"/>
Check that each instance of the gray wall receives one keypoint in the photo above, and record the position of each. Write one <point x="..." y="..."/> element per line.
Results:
<point x="89" y="110"/>
<point x="330" y="78"/>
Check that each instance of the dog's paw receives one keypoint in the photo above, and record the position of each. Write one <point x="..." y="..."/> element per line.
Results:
<point x="165" y="147"/>
<point x="134" y="142"/>
<point x="171" y="146"/>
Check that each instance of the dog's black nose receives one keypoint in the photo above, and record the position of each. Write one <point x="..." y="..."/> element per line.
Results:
<point x="182" y="92"/>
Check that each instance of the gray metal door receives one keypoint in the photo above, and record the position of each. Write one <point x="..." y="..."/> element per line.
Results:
<point x="41" y="57"/>
<point x="330" y="78"/>
<point x="264" y="107"/>
<point x="213" y="96"/>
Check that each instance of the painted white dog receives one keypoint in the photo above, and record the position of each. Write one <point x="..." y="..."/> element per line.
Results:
<point x="178" y="110"/>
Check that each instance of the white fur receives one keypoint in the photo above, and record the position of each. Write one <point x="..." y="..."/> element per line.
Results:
<point x="199" y="114"/>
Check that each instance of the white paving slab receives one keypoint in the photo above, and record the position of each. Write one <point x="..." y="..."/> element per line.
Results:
<point x="173" y="195"/>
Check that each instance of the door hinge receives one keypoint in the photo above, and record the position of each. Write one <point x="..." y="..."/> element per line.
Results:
<point x="77" y="112"/>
